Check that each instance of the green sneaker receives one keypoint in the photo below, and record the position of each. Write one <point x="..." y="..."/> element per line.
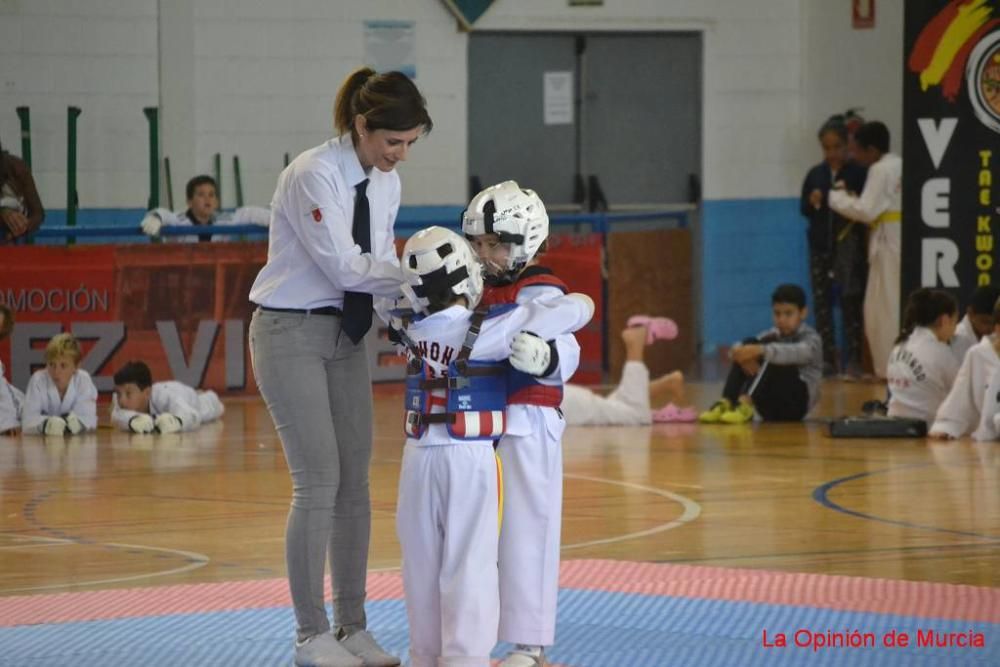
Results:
<point x="714" y="414"/>
<point x="741" y="414"/>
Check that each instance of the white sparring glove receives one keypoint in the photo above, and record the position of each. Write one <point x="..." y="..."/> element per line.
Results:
<point x="532" y="355"/>
<point x="168" y="423"/>
<point x="74" y="424"/>
<point x="151" y="224"/>
<point x="55" y="426"/>
<point x="141" y="424"/>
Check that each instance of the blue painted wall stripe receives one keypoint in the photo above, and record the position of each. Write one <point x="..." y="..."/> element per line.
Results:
<point x="749" y="247"/>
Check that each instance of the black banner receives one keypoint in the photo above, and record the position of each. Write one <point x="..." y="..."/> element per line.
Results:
<point x="951" y="139"/>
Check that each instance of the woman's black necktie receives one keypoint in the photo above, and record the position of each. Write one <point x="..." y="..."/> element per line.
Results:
<point x="357" y="318"/>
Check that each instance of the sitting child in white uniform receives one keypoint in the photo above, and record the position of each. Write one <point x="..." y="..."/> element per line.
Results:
<point x="457" y="394"/>
<point x="203" y="211"/>
<point x="989" y="421"/>
<point x="61" y="398"/>
<point x="11" y="398"/>
<point x="922" y="368"/>
<point x="978" y="321"/>
<point x="140" y="406"/>
<point x="962" y="409"/>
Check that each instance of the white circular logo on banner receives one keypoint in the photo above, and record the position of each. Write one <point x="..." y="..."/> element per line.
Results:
<point x="982" y="77"/>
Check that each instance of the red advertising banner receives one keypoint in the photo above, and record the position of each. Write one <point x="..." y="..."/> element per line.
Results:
<point x="184" y="309"/>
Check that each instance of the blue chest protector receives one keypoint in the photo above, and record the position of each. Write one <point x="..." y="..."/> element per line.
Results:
<point x="475" y="392"/>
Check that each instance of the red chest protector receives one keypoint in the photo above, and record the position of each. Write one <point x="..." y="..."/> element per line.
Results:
<point x="531" y="277"/>
<point x="525" y="389"/>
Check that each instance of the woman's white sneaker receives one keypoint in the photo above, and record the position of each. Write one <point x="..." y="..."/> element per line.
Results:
<point x="363" y="645"/>
<point x="323" y="650"/>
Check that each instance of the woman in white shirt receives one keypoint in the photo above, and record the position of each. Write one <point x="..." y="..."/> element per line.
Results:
<point x="330" y="250"/>
<point x="922" y="368"/>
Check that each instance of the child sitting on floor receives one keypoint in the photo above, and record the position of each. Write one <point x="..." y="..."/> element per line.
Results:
<point x="962" y="409"/>
<point x="978" y="321"/>
<point x="777" y="373"/>
<point x="922" y="368"/>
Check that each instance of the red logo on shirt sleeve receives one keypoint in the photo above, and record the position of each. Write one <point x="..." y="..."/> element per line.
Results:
<point x="317" y="214"/>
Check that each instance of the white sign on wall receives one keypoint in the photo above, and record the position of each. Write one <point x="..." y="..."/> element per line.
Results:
<point x="389" y="45"/>
<point x="558" y="98"/>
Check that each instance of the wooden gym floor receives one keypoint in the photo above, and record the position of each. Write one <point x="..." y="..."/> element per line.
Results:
<point x="114" y="510"/>
<point x="781" y="497"/>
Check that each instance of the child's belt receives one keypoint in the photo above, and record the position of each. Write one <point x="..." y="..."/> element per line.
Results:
<point x="886" y="216"/>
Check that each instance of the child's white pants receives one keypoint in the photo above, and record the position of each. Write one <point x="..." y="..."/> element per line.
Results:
<point x="529" y="536"/>
<point x="446" y="520"/>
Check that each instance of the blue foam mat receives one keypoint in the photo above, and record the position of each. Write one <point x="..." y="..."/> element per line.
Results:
<point x="596" y="629"/>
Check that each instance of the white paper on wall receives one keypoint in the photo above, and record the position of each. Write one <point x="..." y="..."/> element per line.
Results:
<point x="389" y="45"/>
<point x="558" y="98"/>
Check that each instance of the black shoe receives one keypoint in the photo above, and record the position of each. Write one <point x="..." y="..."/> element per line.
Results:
<point x="874" y="407"/>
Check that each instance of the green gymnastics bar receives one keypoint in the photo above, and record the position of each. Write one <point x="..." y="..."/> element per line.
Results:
<point x="170" y="183"/>
<point x="239" y="181"/>
<point x="217" y="162"/>
<point x="24" y="115"/>
<point x="72" y="200"/>
<point x="152" y="115"/>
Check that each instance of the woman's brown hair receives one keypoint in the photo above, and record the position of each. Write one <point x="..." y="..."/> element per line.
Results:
<point x="388" y="101"/>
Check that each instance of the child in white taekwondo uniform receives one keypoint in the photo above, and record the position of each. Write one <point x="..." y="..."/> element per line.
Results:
<point x="963" y="408"/>
<point x="11" y="398"/>
<point x="880" y="207"/>
<point x="447" y="515"/>
<point x="922" y="368"/>
<point x="141" y="406"/>
<point x="629" y="403"/>
<point x="989" y="421"/>
<point x="61" y="398"/>
<point x="508" y="227"/>
<point x="978" y="321"/>
<point x="203" y="211"/>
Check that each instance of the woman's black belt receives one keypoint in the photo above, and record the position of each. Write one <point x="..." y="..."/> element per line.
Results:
<point x="325" y="310"/>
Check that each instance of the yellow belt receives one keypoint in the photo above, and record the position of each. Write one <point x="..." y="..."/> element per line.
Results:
<point x="886" y="216"/>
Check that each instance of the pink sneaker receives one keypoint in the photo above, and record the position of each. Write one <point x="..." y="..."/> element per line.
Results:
<point x="671" y="413"/>
<point x="657" y="328"/>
